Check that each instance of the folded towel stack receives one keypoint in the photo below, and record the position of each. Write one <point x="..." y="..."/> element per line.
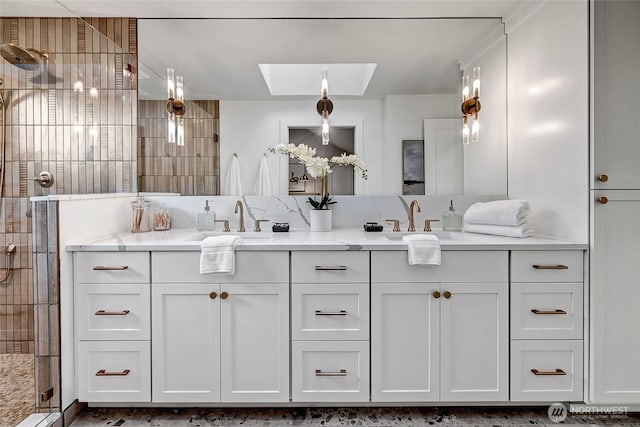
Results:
<point x="218" y="255"/>
<point x="501" y="217"/>
<point x="423" y="249"/>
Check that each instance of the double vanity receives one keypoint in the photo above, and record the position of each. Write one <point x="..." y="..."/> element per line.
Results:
<point x="328" y="318"/>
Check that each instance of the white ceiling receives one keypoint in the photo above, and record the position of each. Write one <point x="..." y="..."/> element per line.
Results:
<point x="219" y="58"/>
<point x="261" y="8"/>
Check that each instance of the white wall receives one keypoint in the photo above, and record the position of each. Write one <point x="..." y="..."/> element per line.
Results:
<point x="403" y="119"/>
<point x="548" y="118"/>
<point x="485" y="161"/>
<point x="249" y="128"/>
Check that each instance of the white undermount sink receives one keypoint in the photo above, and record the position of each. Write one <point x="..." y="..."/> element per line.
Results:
<point x="253" y="235"/>
<point x="398" y="235"/>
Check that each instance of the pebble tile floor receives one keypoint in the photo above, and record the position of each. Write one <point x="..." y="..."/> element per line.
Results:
<point x="17" y="395"/>
<point x="368" y="417"/>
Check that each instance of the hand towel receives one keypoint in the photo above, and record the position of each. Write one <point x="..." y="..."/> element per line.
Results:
<point x="423" y="249"/>
<point x="263" y="181"/>
<point x="218" y="254"/>
<point x="524" y="230"/>
<point x="498" y="212"/>
<point x="233" y="183"/>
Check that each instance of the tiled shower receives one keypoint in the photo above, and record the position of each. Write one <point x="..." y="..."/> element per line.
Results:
<point x="75" y="116"/>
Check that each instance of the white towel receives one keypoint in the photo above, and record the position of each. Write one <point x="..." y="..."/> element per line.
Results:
<point x="233" y="184"/>
<point x="498" y="212"/>
<point x="263" y="181"/>
<point x="423" y="249"/>
<point x="218" y="254"/>
<point x="524" y="230"/>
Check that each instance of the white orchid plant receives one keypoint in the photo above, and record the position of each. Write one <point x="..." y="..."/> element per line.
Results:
<point x="320" y="167"/>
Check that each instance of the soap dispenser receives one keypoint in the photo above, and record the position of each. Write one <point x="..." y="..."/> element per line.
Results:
<point x="207" y="219"/>
<point x="452" y="219"/>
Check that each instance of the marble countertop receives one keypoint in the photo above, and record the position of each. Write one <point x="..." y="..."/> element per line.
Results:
<point x="295" y="240"/>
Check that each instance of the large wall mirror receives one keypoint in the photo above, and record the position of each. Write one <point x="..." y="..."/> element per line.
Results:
<point x="252" y="83"/>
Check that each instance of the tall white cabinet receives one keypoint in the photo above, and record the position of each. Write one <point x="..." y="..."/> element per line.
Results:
<point x="615" y="196"/>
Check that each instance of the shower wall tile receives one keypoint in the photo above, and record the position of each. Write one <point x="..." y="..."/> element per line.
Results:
<point x="86" y="138"/>
<point x="189" y="170"/>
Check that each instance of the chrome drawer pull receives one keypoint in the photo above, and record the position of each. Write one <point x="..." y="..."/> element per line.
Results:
<point x="331" y="267"/>
<point x="556" y="372"/>
<point x="331" y="313"/>
<point x="110" y="267"/>
<point x="556" y="311"/>
<point x="341" y="373"/>
<point x="103" y="373"/>
<point x="112" y="313"/>
<point x="550" y="267"/>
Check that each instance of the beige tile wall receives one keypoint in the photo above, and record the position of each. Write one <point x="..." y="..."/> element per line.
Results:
<point x="191" y="169"/>
<point x="86" y="138"/>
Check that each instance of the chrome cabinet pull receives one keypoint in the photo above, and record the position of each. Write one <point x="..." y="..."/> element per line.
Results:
<point x="340" y="373"/>
<point x="331" y="267"/>
<point x="556" y="372"/>
<point x="556" y="311"/>
<point x="112" y="313"/>
<point x="331" y="313"/>
<point x="103" y="373"/>
<point x="550" y="267"/>
<point x="110" y="267"/>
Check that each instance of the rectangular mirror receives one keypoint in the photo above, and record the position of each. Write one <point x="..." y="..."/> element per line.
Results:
<point x="388" y="78"/>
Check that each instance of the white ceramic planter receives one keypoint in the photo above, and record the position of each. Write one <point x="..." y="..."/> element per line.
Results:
<point x="320" y="219"/>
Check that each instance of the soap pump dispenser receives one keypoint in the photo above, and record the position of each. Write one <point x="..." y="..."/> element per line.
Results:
<point x="207" y="219"/>
<point x="452" y="219"/>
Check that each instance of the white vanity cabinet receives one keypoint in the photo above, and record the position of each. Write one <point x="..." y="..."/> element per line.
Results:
<point x="330" y="326"/>
<point x="440" y="333"/>
<point x="112" y="315"/>
<point x="220" y="338"/>
<point x="547" y="326"/>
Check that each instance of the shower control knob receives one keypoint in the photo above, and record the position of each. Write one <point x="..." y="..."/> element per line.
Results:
<point x="44" y="179"/>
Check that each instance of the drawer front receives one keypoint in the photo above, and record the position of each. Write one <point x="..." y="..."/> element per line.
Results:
<point x="547" y="266"/>
<point x="251" y="267"/>
<point x="114" y="371"/>
<point x="330" y="267"/>
<point x="112" y="267"/>
<point x="330" y="371"/>
<point x="113" y="312"/>
<point x="330" y="312"/>
<point x="456" y="266"/>
<point x="558" y="369"/>
<point x="546" y="311"/>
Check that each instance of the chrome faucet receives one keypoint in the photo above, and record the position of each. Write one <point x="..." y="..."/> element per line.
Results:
<point x="235" y="210"/>
<point x="412" y="224"/>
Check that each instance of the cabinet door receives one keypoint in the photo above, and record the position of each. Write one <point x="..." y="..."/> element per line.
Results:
<point x="404" y="342"/>
<point x="475" y="342"/>
<point x="615" y="298"/>
<point x="616" y="93"/>
<point x="185" y="343"/>
<point x="255" y="343"/>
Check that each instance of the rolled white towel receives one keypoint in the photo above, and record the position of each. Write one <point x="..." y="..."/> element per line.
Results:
<point x="423" y="249"/>
<point x="218" y="254"/>
<point x="498" y="212"/>
<point x="524" y="230"/>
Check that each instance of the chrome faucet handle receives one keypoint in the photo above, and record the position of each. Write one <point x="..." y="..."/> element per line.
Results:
<point x="44" y="179"/>
<point x="427" y="224"/>
<point x="225" y="224"/>
<point x="256" y="226"/>
<point x="395" y="222"/>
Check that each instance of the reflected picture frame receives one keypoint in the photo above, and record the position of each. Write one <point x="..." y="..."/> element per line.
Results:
<point x="413" y="173"/>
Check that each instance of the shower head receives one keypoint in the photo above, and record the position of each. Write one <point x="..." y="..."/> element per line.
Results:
<point x="24" y="58"/>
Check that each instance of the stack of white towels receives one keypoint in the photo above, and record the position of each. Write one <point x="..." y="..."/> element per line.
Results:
<point x="509" y="218"/>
